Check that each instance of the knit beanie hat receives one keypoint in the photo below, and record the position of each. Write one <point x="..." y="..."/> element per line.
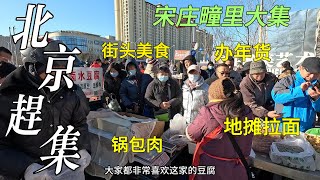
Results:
<point x="221" y="88"/>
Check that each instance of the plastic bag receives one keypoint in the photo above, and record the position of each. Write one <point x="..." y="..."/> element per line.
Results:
<point x="69" y="174"/>
<point x="114" y="104"/>
<point x="176" y="134"/>
<point x="29" y="175"/>
<point x="178" y="124"/>
<point x="177" y="139"/>
<point x="65" y="174"/>
<point x="103" y="126"/>
<point x="293" y="152"/>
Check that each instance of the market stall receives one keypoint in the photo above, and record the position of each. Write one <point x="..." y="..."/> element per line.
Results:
<point x="295" y="157"/>
<point x="291" y="165"/>
<point x="104" y="125"/>
<point x="262" y="161"/>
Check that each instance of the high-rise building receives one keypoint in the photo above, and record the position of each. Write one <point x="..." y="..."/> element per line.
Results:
<point x="85" y="42"/>
<point x="150" y="19"/>
<point x="205" y="42"/>
<point x="130" y="20"/>
<point x="134" y="23"/>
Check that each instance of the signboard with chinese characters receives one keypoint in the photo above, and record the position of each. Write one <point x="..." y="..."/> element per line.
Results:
<point x="293" y="43"/>
<point x="180" y="54"/>
<point x="89" y="79"/>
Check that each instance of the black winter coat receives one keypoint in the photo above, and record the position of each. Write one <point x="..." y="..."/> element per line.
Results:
<point x="133" y="88"/>
<point x="64" y="107"/>
<point x="157" y="92"/>
<point x="112" y="86"/>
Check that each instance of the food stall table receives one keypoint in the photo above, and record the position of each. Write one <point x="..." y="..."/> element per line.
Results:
<point x="262" y="161"/>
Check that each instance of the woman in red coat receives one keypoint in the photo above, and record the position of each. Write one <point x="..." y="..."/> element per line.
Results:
<point x="214" y="148"/>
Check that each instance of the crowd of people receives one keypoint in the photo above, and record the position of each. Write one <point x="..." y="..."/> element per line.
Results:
<point x="204" y="97"/>
<point x="155" y="92"/>
<point x="20" y="152"/>
<point x="207" y="98"/>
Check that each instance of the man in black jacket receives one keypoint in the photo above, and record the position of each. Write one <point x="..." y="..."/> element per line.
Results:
<point x="164" y="94"/>
<point x="64" y="107"/>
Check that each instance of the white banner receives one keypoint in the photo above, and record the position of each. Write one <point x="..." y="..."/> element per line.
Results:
<point x="89" y="79"/>
<point x="293" y="43"/>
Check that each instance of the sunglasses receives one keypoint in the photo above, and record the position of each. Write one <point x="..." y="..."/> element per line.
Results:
<point x="226" y="73"/>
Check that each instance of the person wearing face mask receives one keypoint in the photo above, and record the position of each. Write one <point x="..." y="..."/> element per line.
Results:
<point x="164" y="95"/>
<point x="210" y="70"/>
<point x="297" y="95"/>
<point x="133" y="88"/>
<point x="191" y="60"/>
<point x="66" y="106"/>
<point x="195" y="93"/>
<point x="112" y="80"/>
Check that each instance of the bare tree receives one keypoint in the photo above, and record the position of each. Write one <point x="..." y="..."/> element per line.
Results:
<point x="245" y="34"/>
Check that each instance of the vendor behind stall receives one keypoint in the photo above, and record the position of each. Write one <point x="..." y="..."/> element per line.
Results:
<point x="213" y="145"/>
<point x="164" y="95"/>
<point x="20" y="153"/>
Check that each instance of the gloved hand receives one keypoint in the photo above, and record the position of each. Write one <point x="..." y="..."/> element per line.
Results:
<point x="43" y="175"/>
<point x="67" y="173"/>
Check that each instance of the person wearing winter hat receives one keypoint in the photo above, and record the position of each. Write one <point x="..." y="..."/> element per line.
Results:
<point x="64" y="107"/>
<point x="256" y="90"/>
<point x="195" y="93"/>
<point x="190" y="60"/>
<point x="133" y="88"/>
<point x="164" y="95"/>
<point x="207" y="130"/>
<point x="210" y="69"/>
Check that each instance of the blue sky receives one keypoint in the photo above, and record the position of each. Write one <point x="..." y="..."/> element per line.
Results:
<point x="97" y="16"/>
